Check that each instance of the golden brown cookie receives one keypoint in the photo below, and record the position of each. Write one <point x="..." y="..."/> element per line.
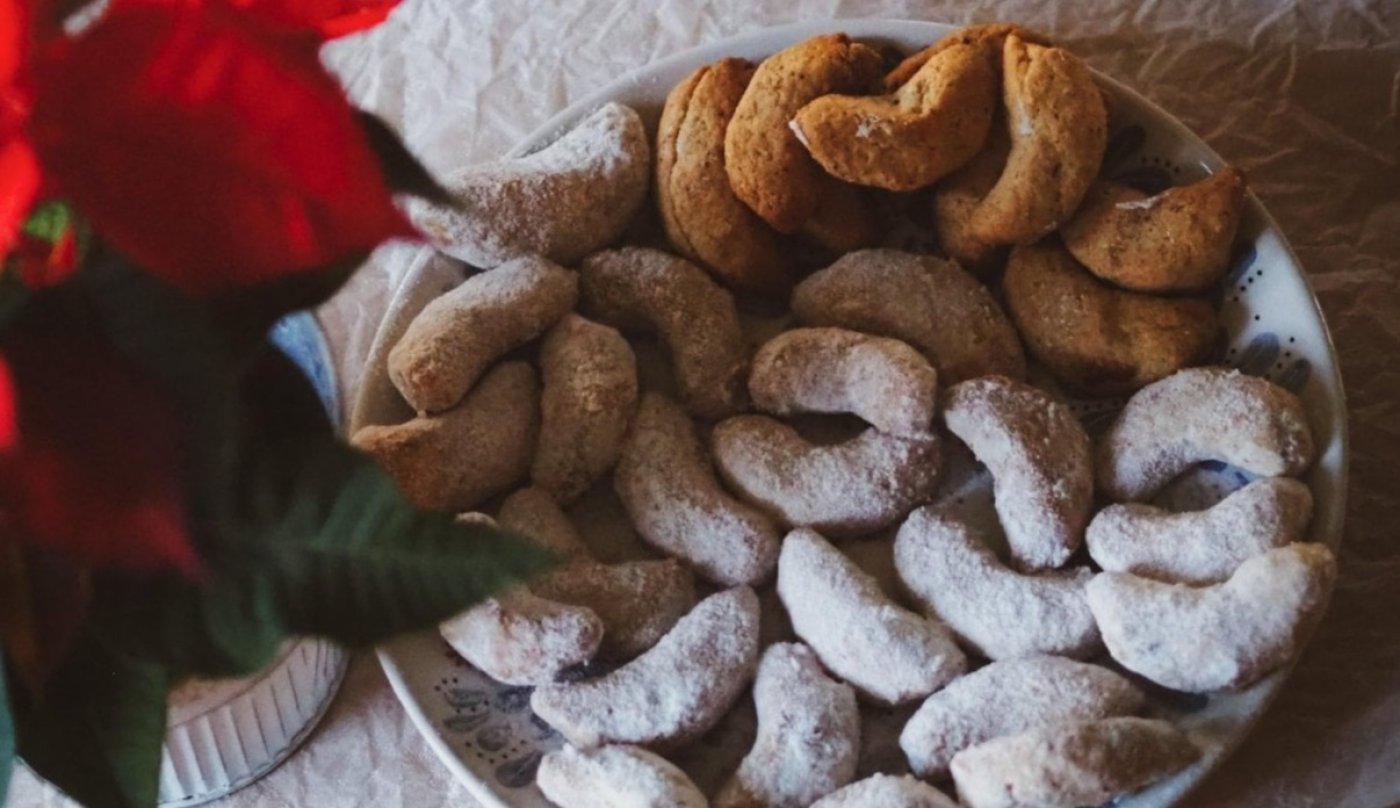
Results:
<point x="1098" y="339"/>
<point x="1176" y="241"/>
<point x="768" y="168"/>
<point x="908" y="139"/>
<point x="1058" y="125"/>
<point x="993" y="34"/>
<point x="958" y="195"/>
<point x="925" y="301"/>
<point x="702" y="216"/>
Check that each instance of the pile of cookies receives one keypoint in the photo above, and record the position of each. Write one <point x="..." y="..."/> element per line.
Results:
<point x="748" y="452"/>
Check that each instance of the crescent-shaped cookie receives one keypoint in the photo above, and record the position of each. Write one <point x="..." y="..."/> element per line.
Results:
<point x="615" y="777"/>
<point x="1071" y="765"/>
<point x="1096" y="338"/>
<point x="847" y="489"/>
<point x="671" y="694"/>
<point x="1200" y="414"/>
<point x="925" y="301"/>
<point x="1201" y="547"/>
<point x="1224" y="636"/>
<point x="703" y="218"/>
<point x="1058" y="125"/>
<point x="840" y="612"/>
<point x="808" y="734"/>
<point x="564" y="201"/>
<point x="1007" y="698"/>
<point x="1001" y="614"/>
<point x="886" y="791"/>
<point x="1176" y="241"/>
<point x="1040" y="460"/>
<point x="885" y="382"/>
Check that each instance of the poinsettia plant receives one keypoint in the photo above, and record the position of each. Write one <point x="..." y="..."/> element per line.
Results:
<point x="176" y="176"/>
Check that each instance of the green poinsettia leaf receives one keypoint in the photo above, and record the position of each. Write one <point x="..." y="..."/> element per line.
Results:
<point x="7" y="733"/>
<point x="223" y="625"/>
<point x="97" y="731"/>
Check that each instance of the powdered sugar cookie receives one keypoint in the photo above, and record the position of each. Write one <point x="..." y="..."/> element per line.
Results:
<point x="481" y="447"/>
<point x="639" y="289"/>
<point x="519" y="638"/>
<point x="1071" y="765"/>
<point x="615" y="777"/>
<point x="703" y="217"/>
<point x="455" y="338"/>
<point x="1201" y="547"/>
<point x="886" y="791"/>
<point x="1007" y="698"/>
<point x="668" y="486"/>
<point x="590" y="393"/>
<point x="1040" y="460"/>
<point x="1224" y="636"/>
<point x="1001" y="614"/>
<point x="671" y="694"/>
<point x="1176" y="241"/>
<point x="637" y="601"/>
<point x="564" y="201"/>
<point x="931" y="125"/>
<point x="1058" y="125"/>
<point x="925" y="301"/>
<point x="847" y="489"/>
<point x="808" y="734"/>
<point x="832" y="370"/>
<point x="768" y="167"/>
<point x="840" y="612"/>
<point x="1096" y="338"/>
<point x="1202" y="414"/>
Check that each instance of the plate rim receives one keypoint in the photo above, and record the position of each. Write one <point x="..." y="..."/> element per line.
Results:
<point x="1330" y="534"/>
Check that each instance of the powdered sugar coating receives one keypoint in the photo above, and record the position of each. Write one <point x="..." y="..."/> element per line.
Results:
<point x="849" y="488"/>
<point x="808" y="734"/>
<point x="671" y="694"/>
<point x="998" y="612"/>
<point x="668" y="487"/>
<point x="1224" y="636"/>
<point x="590" y="392"/>
<point x="1010" y="697"/>
<point x="925" y="301"/>
<point x="481" y="447"/>
<point x="640" y="289"/>
<point x="521" y="639"/>
<point x="832" y="370"/>
<point x="615" y="777"/>
<point x="638" y="601"/>
<point x="1040" y="459"/>
<point x="1201" y="547"/>
<point x="889" y="653"/>
<point x="1202" y="414"/>
<point x="456" y="337"/>
<point x="1070" y="765"/>
<point x="886" y="791"/>
<point x="564" y="201"/>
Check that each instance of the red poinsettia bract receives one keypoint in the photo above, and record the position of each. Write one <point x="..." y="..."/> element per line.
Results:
<point x="93" y="464"/>
<point x="209" y="145"/>
<point x="19" y="170"/>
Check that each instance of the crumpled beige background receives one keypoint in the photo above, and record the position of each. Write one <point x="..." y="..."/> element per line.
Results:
<point x="1305" y="96"/>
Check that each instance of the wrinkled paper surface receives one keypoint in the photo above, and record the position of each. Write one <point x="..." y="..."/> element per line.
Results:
<point x="1305" y="97"/>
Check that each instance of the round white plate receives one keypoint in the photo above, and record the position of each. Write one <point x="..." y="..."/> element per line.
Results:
<point x="485" y="731"/>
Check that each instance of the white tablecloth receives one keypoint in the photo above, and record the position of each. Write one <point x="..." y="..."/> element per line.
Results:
<point x="1304" y="96"/>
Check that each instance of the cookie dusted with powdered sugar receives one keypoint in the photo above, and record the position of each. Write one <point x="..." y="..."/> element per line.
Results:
<point x="883" y="381"/>
<point x="1197" y="415"/>
<point x="1041" y="463"/>
<point x="566" y="200"/>
<point x="886" y="791"/>
<point x="808" y="734"/>
<point x="1201" y="547"/>
<point x="671" y="694"/>
<point x="998" y="612"/>
<point x="614" y="777"/>
<point x="1010" y="697"/>
<point x="840" y="612"/>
